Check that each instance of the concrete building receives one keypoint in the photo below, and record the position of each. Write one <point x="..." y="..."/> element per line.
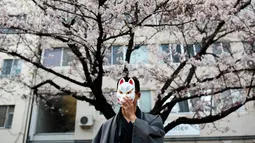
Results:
<point x="61" y="118"/>
<point x="65" y="125"/>
<point x="14" y="99"/>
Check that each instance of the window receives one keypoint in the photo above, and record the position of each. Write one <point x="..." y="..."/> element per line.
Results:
<point x="67" y="56"/>
<point x="219" y="48"/>
<point x="56" y="114"/>
<point x="139" y="55"/>
<point x="237" y="97"/>
<point x="249" y="48"/>
<point x="208" y="103"/>
<point x="231" y="98"/>
<point x="6" y="116"/>
<point x="192" y="49"/>
<point x="226" y="98"/>
<point x="7" y="31"/>
<point x="176" y="108"/>
<point x="203" y="103"/>
<point x="57" y="57"/>
<point x="166" y="56"/>
<point x="173" y="53"/>
<point x="118" y="53"/>
<point x="144" y="102"/>
<point x="52" y="57"/>
<point x="11" y="67"/>
<point x="184" y="106"/>
<point x="176" y="51"/>
<point x="179" y="107"/>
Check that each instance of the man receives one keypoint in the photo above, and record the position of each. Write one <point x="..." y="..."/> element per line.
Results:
<point x="130" y="125"/>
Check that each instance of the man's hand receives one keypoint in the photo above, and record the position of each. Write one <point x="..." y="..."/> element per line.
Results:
<point x="129" y="109"/>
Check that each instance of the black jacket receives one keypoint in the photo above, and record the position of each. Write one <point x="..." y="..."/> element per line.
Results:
<point x="146" y="129"/>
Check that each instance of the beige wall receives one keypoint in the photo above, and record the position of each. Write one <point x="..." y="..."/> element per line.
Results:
<point x="16" y="132"/>
<point x="240" y="124"/>
<point x="14" y="97"/>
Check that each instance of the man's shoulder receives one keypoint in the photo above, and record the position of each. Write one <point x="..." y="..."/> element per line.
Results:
<point x="151" y="118"/>
<point x="108" y="121"/>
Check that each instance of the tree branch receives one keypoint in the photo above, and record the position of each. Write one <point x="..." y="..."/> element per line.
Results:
<point x="64" y="10"/>
<point x="39" y="65"/>
<point x="83" y="62"/>
<point x="116" y="36"/>
<point x="207" y="119"/>
<point x="82" y="98"/>
<point x="168" y="24"/>
<point x="39" y="33"/>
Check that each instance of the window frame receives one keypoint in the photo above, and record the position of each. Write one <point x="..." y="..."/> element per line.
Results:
<point x="222" y="49"/>
<point x="194" y="49"/>
<point x="6" y="30"/>
<point x="61" y="57"/>
<point x="250" y="49"/>
<point x="36" y="118"/>
<point x="138" y="101"/>
<point x="141" y="47"/>
<point x="170" y="48"/>
<point x="124" y="51"/>
<point x="233" y="94"/>
<point x="7" y="116"/>
<point x="12" y="68"/>
<point x="178" y="105"/>
<point x="211" y="101"/>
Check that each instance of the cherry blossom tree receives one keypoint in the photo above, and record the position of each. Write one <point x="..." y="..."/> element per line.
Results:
<point x="90" y="28"/>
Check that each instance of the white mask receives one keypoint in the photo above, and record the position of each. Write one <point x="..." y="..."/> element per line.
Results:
<point x="125" y="89"/>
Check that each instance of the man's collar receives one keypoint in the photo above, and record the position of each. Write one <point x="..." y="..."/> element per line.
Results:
<point x="137" y="113"/>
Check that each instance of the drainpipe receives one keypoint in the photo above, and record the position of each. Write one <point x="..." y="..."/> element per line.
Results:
<point x="28" y="119"/>
<point x="31" y="102"/>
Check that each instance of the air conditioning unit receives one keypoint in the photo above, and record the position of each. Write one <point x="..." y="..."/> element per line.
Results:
<point x="86" y="120"/>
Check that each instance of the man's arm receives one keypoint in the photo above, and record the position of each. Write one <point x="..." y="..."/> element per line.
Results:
<point x="144" y="132"/>
<point x="149" y="132"/>
<point x="98" y="136"/>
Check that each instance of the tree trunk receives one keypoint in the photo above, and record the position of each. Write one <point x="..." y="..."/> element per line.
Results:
<point x="104" y="107"/>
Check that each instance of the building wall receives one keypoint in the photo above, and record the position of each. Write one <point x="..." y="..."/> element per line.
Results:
<point x="18" y="96"/>
<point x="239" y="123"/>
<point x="16" y="132"/>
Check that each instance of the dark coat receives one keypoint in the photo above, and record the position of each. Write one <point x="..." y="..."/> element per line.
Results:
<point x="146" y="129"/>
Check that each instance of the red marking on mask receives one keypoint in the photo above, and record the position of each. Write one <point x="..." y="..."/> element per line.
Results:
<point x="121" y="81"/>
<point x="119" y="100"/>
<point x="131" y="82"/>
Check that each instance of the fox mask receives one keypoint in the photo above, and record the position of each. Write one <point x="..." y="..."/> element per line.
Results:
<point x="125" y="89"/>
